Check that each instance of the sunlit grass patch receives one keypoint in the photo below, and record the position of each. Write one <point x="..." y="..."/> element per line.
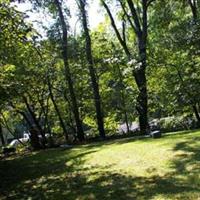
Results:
<point x="166" y="168"/>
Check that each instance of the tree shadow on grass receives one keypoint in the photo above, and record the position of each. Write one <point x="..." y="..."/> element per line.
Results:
<point x="187" y="161"/>
<point x="17" y="173"/>
<point x="104" y="185"/>
<point x="59" y="174"/>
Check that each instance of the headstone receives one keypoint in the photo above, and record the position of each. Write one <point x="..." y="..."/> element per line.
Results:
<point x="155" y="134"/>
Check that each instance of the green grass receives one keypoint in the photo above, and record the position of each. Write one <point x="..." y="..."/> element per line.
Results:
<point x="166" y="168"/>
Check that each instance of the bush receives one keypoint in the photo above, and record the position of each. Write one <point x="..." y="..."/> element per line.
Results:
<point x="177" y="123"/>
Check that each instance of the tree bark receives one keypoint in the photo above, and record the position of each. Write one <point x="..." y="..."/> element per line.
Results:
<point x="1" y="136"/>
<point x="70" y="114"/>
<point x="47" y="127"/>
<point x="123" y="99"/>
<point x="196" y="114"/>
<point x="121" y="41"/>
<point x="194" y="9"/>
<point x="78" y="121"/>
<point x="94" y="83"/>
<point x="62" y="124"/>
<point x="141" y="106"/>
<point x="9" y="129"/>
<point x="193" y="6"/>
<point x="35" y="121"/>
<point x="34" y="139"/>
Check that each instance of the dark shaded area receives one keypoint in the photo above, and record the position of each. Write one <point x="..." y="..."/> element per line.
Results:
<point x="64" y="175"/>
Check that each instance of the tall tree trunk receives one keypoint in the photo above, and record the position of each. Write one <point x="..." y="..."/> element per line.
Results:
<point x="124" y="108"/>
<point x="36" y="122"/>
<point x="190" y="96"/>
<point x="33" y="137"/>
<point x="78" y="121"/>
<point x="1" y="136"/>
<point x="42" y="113"/>
<point x="194" y="7"/>
<point x="140" y="28"/>
<point x="141" y="73"/>
<point x="141" y="106"/>
<point x="62" y="124"/>
<point x="5" y="123"/>
<point x="196" y="114"/>
<point x="47" y="127"/>
<point x="140" y="76"/>
<point x="70" y="114"/>
<point x="95" y="85"/>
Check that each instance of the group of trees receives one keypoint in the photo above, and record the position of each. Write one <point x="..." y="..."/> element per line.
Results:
<point x="142" y="61"/>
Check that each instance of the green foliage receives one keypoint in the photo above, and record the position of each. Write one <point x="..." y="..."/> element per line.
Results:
<point x="177" y="123"/>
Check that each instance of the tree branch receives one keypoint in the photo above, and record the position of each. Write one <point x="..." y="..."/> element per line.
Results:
<point x="122" y="42"/>
<point x="135" y="17"/>
<point x="128" y="16"/>
<point x="150" y="2"/>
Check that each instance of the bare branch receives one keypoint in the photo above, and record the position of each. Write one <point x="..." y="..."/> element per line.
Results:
<point x="150" y="2"/>
<point x="128" y="16"/>
<point x="135" y="17"/>
<point x="122" y="42"/>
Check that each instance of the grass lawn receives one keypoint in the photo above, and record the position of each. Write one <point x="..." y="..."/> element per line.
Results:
<point x="166" y="168"/>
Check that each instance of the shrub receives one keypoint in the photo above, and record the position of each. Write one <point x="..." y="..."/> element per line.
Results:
<point x="177" y="123"/>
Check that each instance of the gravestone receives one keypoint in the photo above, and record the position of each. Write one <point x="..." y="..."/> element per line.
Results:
<point x="156" y="134"/>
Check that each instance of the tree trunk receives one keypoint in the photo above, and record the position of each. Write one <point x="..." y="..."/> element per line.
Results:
<point x="35" y="121"/>
<point x="123" y="99"/>
<point x="196" y="114"/>
<point x="78" y="121"/>
<point x="140" y="77"/>
<point x="141" y="81"/>
<point x="34" y="139"/>
<point x="190" y="96"/>
<point x="62" y="124"/>
<point x="9" y="129"/>
<point x="125" y="111"/>
<point x="70" y="114"/>
<point x="193" y="6"/>
<point x="142" y="107"/>
<point x="47" y="127"/>
<point x="194" y="9"/>
<point x="95" y="85"/>
<point x="1" y="136"/>
<point x="140" y="28"/>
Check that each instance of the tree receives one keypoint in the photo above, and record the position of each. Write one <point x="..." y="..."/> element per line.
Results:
<point x="194" y="8"/>
<point x="94" y="83"/>
<point x="80" y="132"/>
<point x="176" y="43"/>
<point x="1" y="136"/>
<point x="62" y="124"/>
<point x="139" y="23"/>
